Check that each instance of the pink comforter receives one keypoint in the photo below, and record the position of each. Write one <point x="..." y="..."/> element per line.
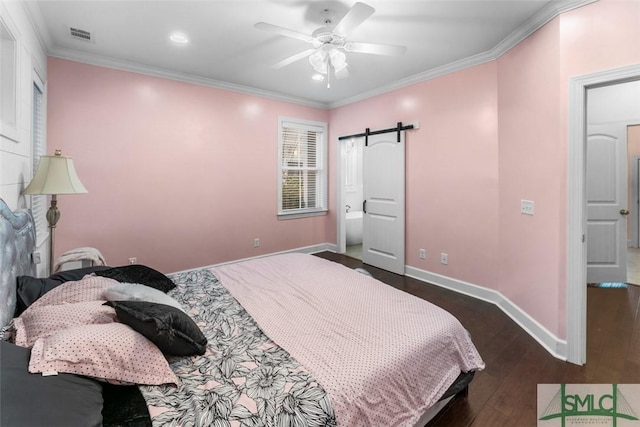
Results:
<point x="384" y="356"/>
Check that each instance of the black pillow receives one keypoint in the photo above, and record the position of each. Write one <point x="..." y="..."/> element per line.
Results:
<point x="138" y="273"/>
<point x="169" y="328"/>
<point x="77" y="274"/>
<point x="29" y="289"/>
<point x="34" y="400"/>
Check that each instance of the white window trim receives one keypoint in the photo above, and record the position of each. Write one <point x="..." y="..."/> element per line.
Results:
<point x="321" y="162"/>
<point x="39" y="217"/>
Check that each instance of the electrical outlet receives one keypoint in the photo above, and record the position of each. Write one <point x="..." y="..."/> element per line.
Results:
<point x="36" y="257"/>
<point x="256" y="243"/>
<point x="133" y="260"/>
<point x="422" y="254"/>
<point x="527" y="207"/>
<point x="444" y="258"/>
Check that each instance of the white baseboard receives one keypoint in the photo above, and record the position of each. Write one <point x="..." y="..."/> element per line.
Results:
<point x="553" y="344"/>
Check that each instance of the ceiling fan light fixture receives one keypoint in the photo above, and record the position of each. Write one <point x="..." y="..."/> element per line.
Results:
<point x="338" y="60"/>
<point x="329" y="43"/>
<point x="318" y="61"/>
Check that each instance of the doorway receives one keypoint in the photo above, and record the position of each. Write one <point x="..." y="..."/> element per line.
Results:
<point x="576" y="204"/>
<point x="634" y="187"/>
<point x="354" y="196"/>
<point x="608" y="184"/>
<point x="633" y="254"/>
<point x="613" y="153"/>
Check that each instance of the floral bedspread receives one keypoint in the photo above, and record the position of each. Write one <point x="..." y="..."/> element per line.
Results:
<point x="244" y="379"/>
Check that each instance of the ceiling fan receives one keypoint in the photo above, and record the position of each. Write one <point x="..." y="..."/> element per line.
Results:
<point x="330" y="42"/>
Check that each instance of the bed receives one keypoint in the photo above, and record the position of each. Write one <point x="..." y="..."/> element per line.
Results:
<point x="286" y="340"/>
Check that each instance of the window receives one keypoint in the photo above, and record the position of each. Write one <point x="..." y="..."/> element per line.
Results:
<point x="302" y="180"/>
<point x="38" y="203"/>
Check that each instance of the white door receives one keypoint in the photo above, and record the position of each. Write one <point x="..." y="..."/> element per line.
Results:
<point x="383" y="178"/>
<point x="607" y="207"/>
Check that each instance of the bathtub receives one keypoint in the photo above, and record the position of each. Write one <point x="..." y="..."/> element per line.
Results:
<point x="354" y="228"/>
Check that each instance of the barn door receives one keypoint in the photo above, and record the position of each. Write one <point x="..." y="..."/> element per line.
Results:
<point x="384" y="222"/>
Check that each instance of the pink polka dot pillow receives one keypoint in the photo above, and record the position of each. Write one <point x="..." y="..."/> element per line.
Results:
<point x="90" y="288"/>
<point x="42" y="321"/>
<point x="112" y="352"/>
<point x="73" y="332"/>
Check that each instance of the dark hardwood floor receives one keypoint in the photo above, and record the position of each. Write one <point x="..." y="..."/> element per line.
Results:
<point x="504" y="394"/>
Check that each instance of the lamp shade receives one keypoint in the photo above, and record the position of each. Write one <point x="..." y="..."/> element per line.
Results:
<point x="55" y="175"/>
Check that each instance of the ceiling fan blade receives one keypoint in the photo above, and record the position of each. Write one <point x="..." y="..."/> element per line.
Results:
<point x="375" y="49"/>
<point x="293" y="58"/>
<point x="283" y="31"/>
<point x="356" y="16"/>
<point x="342" y="74"/>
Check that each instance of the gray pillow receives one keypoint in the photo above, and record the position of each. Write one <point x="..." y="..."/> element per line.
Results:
<point x="138" y="292"/>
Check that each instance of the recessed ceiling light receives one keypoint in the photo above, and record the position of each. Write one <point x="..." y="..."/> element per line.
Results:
<point x="179" y="38"/>
<point x="318" y="77"/>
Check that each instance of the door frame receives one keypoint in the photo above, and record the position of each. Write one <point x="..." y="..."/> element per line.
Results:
<point x="341" y="239"/>
<point x="577" y="206"/>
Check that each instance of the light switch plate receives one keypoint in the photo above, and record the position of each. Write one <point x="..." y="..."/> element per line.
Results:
<point x="527" y="207"/>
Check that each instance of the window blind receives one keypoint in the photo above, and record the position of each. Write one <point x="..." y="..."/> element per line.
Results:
<point x="38" y="203"/>
<point x="302" y="180"/>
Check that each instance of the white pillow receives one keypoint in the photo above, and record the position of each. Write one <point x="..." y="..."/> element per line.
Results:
<point x="138" y="292"/>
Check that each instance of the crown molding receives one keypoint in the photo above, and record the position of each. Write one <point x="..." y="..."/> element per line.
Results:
<point x="549" y="12"/>
<point x="431" y="74"/>
<point x="545" y="15"/>
<point x="541" y="18"/>
<point x="117" y="64"/>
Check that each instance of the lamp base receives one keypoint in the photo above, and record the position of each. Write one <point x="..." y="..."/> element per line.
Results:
<point x="53" y="215"/>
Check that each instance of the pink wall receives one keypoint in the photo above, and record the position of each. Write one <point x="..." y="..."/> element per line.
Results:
<point x="490" y="136"/>
<point x="179" y="175"/>
<point x="451" y="168"/>
<point x="532" y="167"/>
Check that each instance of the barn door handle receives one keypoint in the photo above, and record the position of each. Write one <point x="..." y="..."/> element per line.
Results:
<point x="364" y="206"/>
<point x="624" y="212"/>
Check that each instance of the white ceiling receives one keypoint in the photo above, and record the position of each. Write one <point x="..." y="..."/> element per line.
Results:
<point x="226" y="51"/>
